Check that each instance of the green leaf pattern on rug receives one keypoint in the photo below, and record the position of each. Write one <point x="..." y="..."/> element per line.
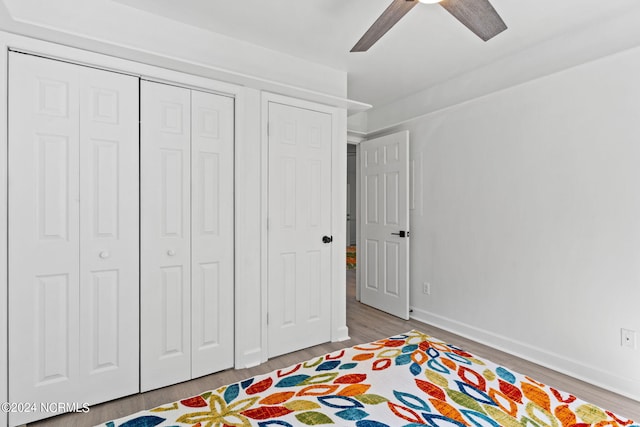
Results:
<point x="591" y="414"/>
<point x="504" y="419"/>
<point x="319" y="379"/>
<point x="464" y="400"/>
<point x="312" y="418"/>
<point x="371" y="399"/>
<point x="437" y="379"/>
<point x="535" y="411"/>
<point x="301" y="405"/>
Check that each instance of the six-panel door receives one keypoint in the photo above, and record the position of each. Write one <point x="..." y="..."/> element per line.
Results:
<point x="384" y="200"/>
<point x="299" y="217"/>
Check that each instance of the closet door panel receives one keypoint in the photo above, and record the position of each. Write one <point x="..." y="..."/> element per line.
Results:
<point x="212" y="278"/>
<point x="72" y="311"/>
<point x="109" y="230"/>
<point x="165" y="235"/>
<point x="43" y="233"/>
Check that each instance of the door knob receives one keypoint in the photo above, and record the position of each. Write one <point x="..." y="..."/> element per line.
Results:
<point x="104" y="255"/>
<point x="401" y="233"/>
<point x="171" y="252"/>
<point x="327" y="239"/>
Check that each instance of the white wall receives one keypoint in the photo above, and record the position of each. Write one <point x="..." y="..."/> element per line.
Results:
<point x="527" y="219"/>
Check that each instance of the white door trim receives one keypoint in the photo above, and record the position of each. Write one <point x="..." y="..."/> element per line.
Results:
<point x="4" y="365"/>
<point x="339" y="330"/>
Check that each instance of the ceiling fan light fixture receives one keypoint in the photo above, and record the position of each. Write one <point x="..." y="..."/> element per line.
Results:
<point x="429" y="1"/>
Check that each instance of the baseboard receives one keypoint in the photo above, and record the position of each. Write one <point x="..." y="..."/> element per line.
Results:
<point x="574" y="368"/>
<point x="340" y="334"/>
<point x="249" y="359"/>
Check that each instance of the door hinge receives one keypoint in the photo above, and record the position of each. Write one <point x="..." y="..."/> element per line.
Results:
<point x="268" y="128"/>
<point x="267" y="318"/>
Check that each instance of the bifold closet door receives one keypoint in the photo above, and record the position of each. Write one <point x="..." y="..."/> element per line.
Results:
<point x="165" y="224"/>
<point x="212" y="237"/>
<point x="187" y="234"/>
<point x="73" y="234"/>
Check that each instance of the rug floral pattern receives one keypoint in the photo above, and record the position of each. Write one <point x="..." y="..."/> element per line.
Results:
<point x="407" y="380"/>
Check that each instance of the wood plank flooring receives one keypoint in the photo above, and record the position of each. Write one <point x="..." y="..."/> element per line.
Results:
<point x="365" y="324"/>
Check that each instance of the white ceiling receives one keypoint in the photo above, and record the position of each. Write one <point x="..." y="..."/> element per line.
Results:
<point x="426" y="48"/>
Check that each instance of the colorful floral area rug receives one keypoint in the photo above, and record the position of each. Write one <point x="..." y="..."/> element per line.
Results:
<point x="407" y="380"/>
<point x="351" y="257"/>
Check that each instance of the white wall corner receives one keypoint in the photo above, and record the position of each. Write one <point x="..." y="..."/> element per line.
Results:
<point x="357" y="123"/>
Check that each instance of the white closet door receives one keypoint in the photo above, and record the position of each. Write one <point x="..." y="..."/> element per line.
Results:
<point x="212" y="242"/>
<point x="69" y="316"/>
<point x="109" y="233"/>
<point x="44" y="236"/>
<point x="165" y="235"/>
<point x="299" y="219"/>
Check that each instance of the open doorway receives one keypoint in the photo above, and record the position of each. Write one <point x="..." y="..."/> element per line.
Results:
<point x="352" y="221"/>
<point x="352" y="197"/>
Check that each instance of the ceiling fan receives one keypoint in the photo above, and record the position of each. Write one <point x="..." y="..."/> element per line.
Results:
<point x="477" y="15"/>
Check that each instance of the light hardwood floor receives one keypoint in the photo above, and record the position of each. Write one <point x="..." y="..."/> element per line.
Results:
<point x="365" y="324"/>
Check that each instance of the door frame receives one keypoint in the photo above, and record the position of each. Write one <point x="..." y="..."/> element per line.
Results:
<point x="4" y="284"/>
<point x="339" y="330"/>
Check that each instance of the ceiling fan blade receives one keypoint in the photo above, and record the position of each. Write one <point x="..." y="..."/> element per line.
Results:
<point x="477" y="15"/>
<point x="388" y="19"/>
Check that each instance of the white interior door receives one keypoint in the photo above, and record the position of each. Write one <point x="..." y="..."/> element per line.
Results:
<point x="73" y="227"/>
<point x="165" y="183"/>
<point x="299" y="216"/>
<point x="383" y="259"/>
<point x="212" y="277"/>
